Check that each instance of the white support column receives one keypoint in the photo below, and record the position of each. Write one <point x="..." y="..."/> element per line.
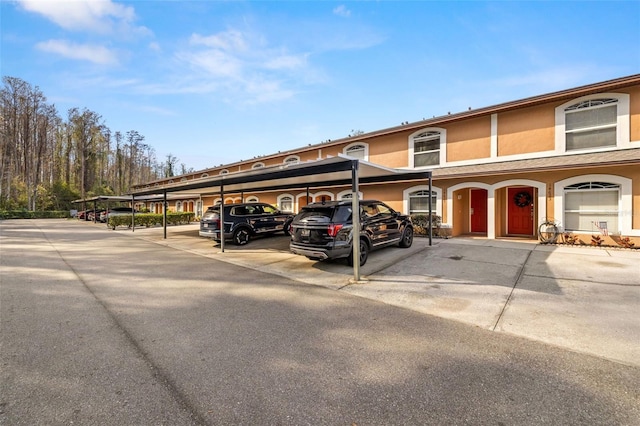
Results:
<point x="491" y="214"/>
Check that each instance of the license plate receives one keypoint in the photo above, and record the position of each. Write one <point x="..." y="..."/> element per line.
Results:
<point x="304" y="233"/>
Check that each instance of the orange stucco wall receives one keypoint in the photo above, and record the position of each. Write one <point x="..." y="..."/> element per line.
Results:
<point x="634" y="111"/>
<point x="469" y="140"/>
<point x="390" y="150"/>
<point x="527" y="130"/>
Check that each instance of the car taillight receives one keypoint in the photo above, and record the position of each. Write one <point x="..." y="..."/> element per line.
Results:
<point x="217" y="222"/>
<point x="334" y="229"/>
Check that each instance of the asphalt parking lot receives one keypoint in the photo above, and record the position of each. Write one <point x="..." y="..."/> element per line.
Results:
<point x="119" y="327"/>
<point x="584" y="299"/>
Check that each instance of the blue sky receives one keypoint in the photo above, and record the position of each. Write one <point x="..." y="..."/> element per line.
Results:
<point x="214" y="82"/>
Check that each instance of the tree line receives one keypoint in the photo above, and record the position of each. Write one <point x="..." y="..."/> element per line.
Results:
<point x="48" y="161"/>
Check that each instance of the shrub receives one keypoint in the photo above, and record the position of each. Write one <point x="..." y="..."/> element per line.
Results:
<point x="421" y="224"/>
<point x="26" y="214"/>
<point x="150" y="219"/>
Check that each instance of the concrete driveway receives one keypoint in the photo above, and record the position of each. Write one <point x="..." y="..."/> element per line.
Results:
<point x="585" y="299"/>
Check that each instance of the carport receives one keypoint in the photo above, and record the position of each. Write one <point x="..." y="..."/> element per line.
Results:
<point x="330" y="172"/>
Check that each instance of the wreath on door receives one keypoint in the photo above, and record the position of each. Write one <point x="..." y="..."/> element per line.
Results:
<point x="522" y="199"/>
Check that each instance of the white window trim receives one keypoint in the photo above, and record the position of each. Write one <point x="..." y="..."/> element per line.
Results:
<point x="366" y="149"/>
<point x="443" y="147"/>
<point x="292" y="159"/>
<point x="622" y="124"/>
<point x="406" y="192"/>
<point x="341" y="194"/>
<point x="625" y="206"/>
<point x="252" y="199"/>
<point x="204" y="175"/>
<point x="293" y="201"/>
<point x="224" y="172"/>
<point x="257" y="165"/>
<point x="320" y="195"/>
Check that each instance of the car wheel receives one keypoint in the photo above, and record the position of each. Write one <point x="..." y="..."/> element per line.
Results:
<point x="364" y="254"/>
<point x="241" y="236"/>
<point x="407" y="237"/>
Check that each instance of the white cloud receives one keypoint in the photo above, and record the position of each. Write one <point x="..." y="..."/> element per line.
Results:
<point x="227" y="40"/>
<point x="92" y="53"/>
<point x="99" y="16"/>
<point x="342" y="11"/>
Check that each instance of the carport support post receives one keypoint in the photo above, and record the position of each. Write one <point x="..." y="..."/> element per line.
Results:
<point x="355" y="214"/>
<point x="430" y="211"/>
<point x="164" y="213"/>
<point x="95" y="206"/>
<point x="133" y="213"/>
<point x="222" y="215"/>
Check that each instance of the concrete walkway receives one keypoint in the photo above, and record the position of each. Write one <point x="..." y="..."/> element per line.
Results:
<point x="584" y="299"/>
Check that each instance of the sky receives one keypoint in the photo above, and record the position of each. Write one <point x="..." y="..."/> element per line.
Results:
<point x="215" y="82"/>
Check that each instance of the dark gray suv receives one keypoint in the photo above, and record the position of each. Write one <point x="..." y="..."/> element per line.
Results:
<point x="243" y="221"/>
<point x="323" y="230"/>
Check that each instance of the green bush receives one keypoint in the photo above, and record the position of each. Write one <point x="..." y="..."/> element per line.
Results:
<point x="151" y="219"/>
<point x="421" y="224"/>
<point x="26" y="214"/>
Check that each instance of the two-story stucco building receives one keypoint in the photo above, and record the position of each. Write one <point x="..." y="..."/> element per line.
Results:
<point x="571" y="156"/>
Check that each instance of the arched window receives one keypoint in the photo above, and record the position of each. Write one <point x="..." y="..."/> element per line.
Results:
<point x="184" y="179"/>
<point x="419" y="202"/>
<point x="285" y="203"/>
<point x="257" y="165"/>
<point x="591" y="206"/>
<point x="347" y="195"/>
<point x="357" y="150"/>
<point x="292" y="159"/>
<point x="224" y="172"/>
<point x="204" y="175"/>
<point x="252" y="199"/>
<point x="424" y="148"/>
<point x="593" y="122"/>
<point x="178" y="206"/>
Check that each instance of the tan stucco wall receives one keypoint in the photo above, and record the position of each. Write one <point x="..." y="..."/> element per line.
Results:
<point x="390" y="150"/>
<point x="469" y="139"/>
<point x="527" y="130"/>
<point x="634" y="111"/>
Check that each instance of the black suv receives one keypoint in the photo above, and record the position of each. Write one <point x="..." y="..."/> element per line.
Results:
<point x="243" y="221"/>
<point x="323" y="230"/>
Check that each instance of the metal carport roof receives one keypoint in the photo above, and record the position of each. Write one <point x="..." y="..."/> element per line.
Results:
<point x="328" y="172"/>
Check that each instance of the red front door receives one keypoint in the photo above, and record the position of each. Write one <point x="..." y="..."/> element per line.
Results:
<point x="478" y="210"/>
<point x="520" y="201"/>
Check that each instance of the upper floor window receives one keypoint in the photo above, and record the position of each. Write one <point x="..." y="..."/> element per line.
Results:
<point x="204" y="175"/>
<point x="599" y="121"/>
<point x="357" y="150"/>
<point x="426" y="148"/>
<point x="224" y="172"/>
<point x="257" y="165"/>
<point x="292" y="159"/>
<point x="591" y="124"/>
